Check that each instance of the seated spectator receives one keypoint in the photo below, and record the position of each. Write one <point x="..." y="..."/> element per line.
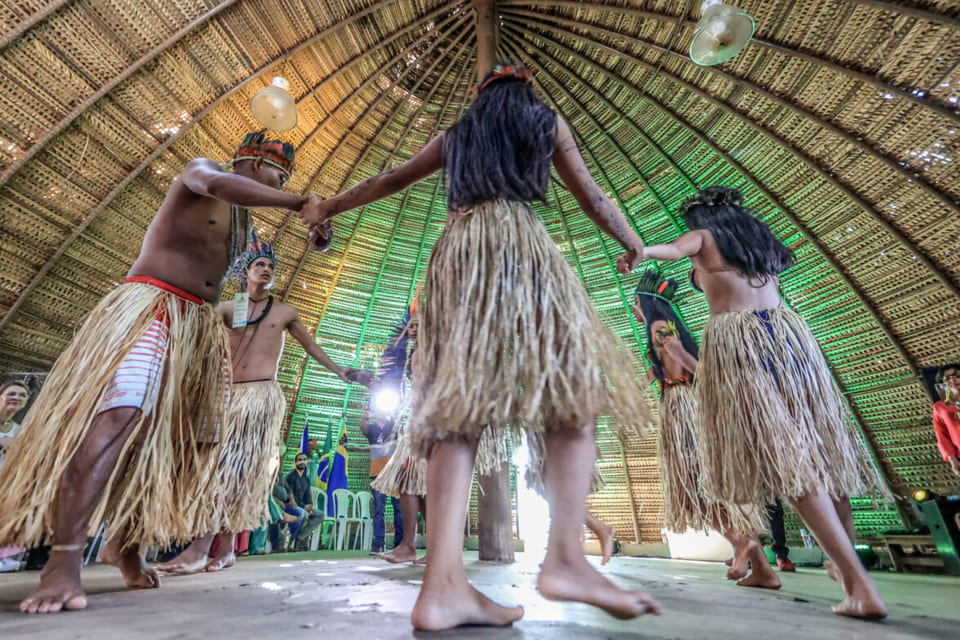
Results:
<point x="300" y="504"/>
<point x="13" y="398"/>
<point x="278" y="517"/>
<point x="946" y="416"/>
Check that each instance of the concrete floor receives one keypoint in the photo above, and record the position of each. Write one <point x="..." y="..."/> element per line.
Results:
<point x="327" y="595"/>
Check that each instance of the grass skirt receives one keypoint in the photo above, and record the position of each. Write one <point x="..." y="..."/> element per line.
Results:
<point x="508" y="339"/>
<point x="773" y="422"/>
<point x="536" y="472"/>
<point x="404" y="473"/>
<point x="156" y="491"/>
<point x="251" y="445"/>
<point x="685" y="507"/>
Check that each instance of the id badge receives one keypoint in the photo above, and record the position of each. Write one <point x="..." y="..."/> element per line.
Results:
<point x="240" y="303"/>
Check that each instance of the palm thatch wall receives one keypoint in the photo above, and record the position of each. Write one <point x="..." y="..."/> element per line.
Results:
<point x="840" y="123"/>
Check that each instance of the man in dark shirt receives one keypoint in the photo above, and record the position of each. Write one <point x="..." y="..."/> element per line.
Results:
<point x="300" y="503"/>
<point x="383" y="441"/>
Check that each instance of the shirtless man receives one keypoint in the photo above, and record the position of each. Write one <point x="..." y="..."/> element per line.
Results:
<point x="112" y="406"/>
<point x="257" y="407"/>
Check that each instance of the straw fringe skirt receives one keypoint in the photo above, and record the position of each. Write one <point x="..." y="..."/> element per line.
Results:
<point x="251" y="445"/>
<point x="155" y="491"/>
<point x="404" y="473"/>
<point x="508" y="338"/>
<point x="773" y="422"/>
<point x="536" y="471"/>
<point x="685" y="507"/>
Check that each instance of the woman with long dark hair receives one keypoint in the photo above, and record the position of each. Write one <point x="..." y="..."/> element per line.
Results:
<point x="773" y="422"/>
<point x="509" y="340"/>
<point x="672" y="352"/>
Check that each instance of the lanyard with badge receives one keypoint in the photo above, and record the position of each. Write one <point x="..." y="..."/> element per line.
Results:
<point x="241" y="303"/>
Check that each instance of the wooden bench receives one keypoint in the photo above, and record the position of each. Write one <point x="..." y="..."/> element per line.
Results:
<point x="913" y="553"/>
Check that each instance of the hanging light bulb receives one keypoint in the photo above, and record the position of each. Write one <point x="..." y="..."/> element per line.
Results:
<point x="273" y="106"/>
<point x="722" y="33"/>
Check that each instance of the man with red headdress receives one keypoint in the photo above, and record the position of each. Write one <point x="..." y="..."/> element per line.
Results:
<point x="130" y="448"/>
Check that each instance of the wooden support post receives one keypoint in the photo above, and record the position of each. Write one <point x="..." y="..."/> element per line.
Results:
<point x="488" y="35"/>
<point x="494" y="526"/>
<point x="633" y="504"/>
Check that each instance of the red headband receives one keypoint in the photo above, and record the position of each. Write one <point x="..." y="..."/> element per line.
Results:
<point x="501" y="71"/>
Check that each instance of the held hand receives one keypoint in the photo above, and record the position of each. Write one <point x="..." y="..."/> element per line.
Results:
<point x="629" y="260"/>
<point x="360" y="376"/>
<point x="317" y="213"/>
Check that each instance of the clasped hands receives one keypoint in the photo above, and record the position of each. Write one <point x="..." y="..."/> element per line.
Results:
<point x="316" y="213"/>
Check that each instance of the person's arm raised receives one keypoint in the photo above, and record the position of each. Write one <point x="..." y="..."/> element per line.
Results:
<point x="687" y="245"/>
<point x="205" y="178"/>
<point x="595" y="204"/>
<point x="374" y="188"/>
<point x="300" y="334"/>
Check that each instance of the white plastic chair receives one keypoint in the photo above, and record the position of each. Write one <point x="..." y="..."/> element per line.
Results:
<point x="345" y="513"/>
<point x="97" y="544"/>
<point x="319" y="499"/>
<point x="365" y="502"/>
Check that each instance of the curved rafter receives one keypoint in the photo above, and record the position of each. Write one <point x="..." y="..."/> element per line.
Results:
<point x="849" y="137"/>
<point x="922" y="256"/>
<point x="31" y="21"/>
<point x="782" y="206"/>
<point x="349" y="131"/>
<point x="386" y="254"/>
<point x="110" y="197"/>
<point x="833" y="65"/>
<point x="333" y="154"/>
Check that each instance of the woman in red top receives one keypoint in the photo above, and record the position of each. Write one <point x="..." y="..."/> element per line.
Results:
<point x="946" y="417"/>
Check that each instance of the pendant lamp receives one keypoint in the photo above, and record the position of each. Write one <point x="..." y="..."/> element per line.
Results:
<point x="273" y="106"/>
<point x="722" y="33"/>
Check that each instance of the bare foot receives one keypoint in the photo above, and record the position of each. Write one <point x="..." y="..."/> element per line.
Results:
<point x="193" y="559"/>
<point x="580" y="582"/>
<point x="869" y="608"/>
<point x="221" y="562"/>
<point x="740" y="567"/>
<point x="607" y="536"/>
<point x="833" y="571"/>
<point x="762" y="577"/>
<point x="135" y="571"/>
<point x="400" y="554"/>
<point x="60" y="587"/>
<point x="449" y="606"/>
<point x="747" y="548"/>
<point x="422" y="561"/>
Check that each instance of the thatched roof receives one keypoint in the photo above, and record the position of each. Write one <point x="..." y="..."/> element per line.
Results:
<point x="840" y="122"/>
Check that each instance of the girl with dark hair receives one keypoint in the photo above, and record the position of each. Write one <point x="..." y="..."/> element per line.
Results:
<point x="773" y="422"/>
<point x="672" y="353"/>
<point x="509" y="341"/>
